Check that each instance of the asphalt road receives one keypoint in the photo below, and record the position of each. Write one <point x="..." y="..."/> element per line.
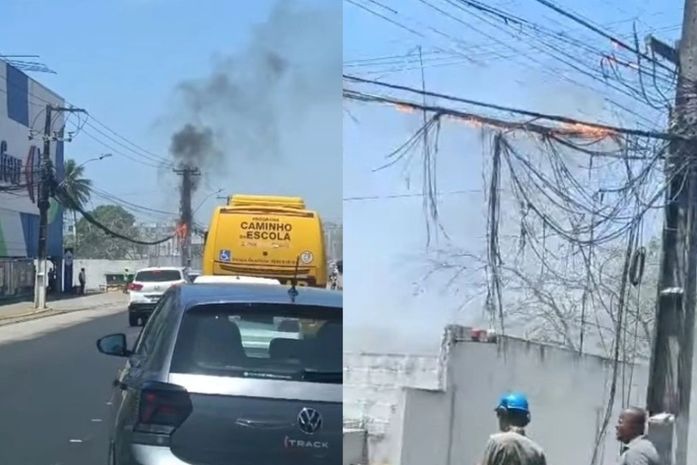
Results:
<point x="54" y="394"/>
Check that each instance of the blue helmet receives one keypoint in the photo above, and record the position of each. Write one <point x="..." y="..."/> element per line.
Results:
<point x="514" y="401"/>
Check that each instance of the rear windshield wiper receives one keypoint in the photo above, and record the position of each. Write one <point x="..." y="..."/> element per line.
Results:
<point x="308" y="374"/>
<point x="270" y="374"/>
<point x="330" y="376"/>
<point x="256" y="373"/>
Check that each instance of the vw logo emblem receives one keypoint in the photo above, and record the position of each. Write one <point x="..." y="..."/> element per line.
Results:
<point x="309" y="420"/>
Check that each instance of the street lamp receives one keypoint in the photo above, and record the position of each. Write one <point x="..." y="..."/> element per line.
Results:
<point x="205" y="199"/>
<point x="62" y="183"/>
<point x="101" y="157"/>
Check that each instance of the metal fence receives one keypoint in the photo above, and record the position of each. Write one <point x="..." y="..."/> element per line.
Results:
<point x="16" y="278"/>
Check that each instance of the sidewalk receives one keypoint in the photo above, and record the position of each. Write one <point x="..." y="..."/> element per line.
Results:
<point x="21" y="311"/>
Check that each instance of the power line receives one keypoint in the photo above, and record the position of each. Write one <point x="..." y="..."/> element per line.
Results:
<point x="532" y="114"/>
<point x="113" y="198"/>
<point x="141" y="149"/>
<point x="389" y="20"/>
<point x="413" y="195"/>
<point x="146" y="160"/>
<point x="570" y="60"/>
<point x="599" y="31"/>
<point x="116" y="151"/>
<point x="455" y="40"/>
<point x="157" y="160"/>
<point x="359" y="61"/>
<point x="60" y="190"/>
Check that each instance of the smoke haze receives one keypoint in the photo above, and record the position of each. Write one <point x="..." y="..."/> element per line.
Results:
<point x="267" y="120"/>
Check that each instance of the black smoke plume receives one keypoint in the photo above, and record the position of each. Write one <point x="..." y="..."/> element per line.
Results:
<point x="268" y="118"/>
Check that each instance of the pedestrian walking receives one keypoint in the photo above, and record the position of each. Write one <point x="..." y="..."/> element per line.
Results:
<point x="52" y="279"/>
<point x="126" y="280"/>
<point x="631" y="431"/>
<point x="83" y="281"/>
<point x="512" y="446"/>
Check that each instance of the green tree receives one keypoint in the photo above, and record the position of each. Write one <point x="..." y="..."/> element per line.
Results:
<point x="95" y="243"/>
<point x="74" y="192"/>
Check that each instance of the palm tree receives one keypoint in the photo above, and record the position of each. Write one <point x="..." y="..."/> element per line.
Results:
<point x="74" y="191"/>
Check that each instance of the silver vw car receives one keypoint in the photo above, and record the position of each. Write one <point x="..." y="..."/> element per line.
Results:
<point x="231" y="374"/>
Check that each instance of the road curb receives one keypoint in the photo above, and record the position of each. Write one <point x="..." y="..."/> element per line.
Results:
<point x="25" y="314"/>
<point x="37" y="314"/>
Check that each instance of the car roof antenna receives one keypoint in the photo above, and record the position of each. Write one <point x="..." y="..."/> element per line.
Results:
<point x="293" y="291"/>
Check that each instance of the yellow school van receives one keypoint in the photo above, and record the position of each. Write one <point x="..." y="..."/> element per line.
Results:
<point x="266" y="236"/>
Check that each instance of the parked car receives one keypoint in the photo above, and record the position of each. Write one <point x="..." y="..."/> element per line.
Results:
<point x="146" y="289"/>
<point x="217" y="376"/>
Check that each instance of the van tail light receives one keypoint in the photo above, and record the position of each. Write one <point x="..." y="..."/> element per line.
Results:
<point x="162" y="408"/>
<point x="134" y="286"/>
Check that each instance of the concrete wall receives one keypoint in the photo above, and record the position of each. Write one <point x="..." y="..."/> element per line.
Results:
<point x="425" y="414"/>
<point x="96" y="270"/>
<point x="372" y="384"/>
<point x="568" y="395"/>
<point x="173" y="260"/>
<point x="373" y="395"/>
<point x="439" y="410"/>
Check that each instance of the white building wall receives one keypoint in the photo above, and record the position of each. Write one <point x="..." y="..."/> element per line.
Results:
<point x="417" y="413"/>
<point x="568" y="396"/>
<point x="96" y="270"/>
<point x="373" y="390"/>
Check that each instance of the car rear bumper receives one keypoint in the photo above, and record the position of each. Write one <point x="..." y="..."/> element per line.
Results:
<point x="141" y="308"/>
<point x="154" y="455"/>
<point x="142" y="298"/>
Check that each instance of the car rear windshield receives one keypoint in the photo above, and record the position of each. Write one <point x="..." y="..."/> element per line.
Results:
<point x="158" y="276"/>
<point x="270" y="341"/>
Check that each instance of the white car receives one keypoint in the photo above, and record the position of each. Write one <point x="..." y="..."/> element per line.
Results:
<point x="146" y="289"/>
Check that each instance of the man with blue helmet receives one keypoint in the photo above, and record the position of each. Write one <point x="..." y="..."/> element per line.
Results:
<point x="511" y="446"/>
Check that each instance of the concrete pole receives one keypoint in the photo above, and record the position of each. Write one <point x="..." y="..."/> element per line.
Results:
<point x="670" y="376"/>
<point x="43" y="204"/>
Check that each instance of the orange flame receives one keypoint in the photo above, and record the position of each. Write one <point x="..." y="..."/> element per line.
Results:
<point x="404" y="108"/>
<point x="583" y="130"/>
<point x="471" y="122"/>
<point x="180" y="231"/>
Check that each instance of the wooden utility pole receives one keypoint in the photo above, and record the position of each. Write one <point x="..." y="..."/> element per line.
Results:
<point x="670" y="375"/>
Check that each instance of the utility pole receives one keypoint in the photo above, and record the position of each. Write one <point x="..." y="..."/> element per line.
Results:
<point x="670" y="375"/>
<point x="187" y="174"/>
<point x="46" y="184"/>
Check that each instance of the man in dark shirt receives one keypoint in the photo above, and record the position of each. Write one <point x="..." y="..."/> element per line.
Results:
<point x="637" y="450"/>
<point x="82" y="279"/>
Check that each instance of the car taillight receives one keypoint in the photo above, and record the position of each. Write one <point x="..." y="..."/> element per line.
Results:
<point x="134" y="287"/>
<point x="162" y="408"/>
